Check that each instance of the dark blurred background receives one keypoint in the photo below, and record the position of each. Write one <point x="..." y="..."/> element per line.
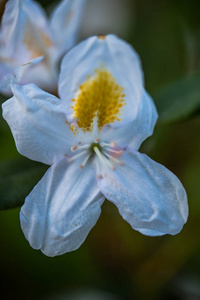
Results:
<point x="116" y="262"/>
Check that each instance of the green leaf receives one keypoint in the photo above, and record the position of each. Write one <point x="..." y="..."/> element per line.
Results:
<point x="179" y="100"/>
<point x="17" y="178"/>
<point x="3" y="98"/>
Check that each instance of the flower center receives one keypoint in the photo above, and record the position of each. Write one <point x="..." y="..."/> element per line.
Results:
<point x="107" y="154"/>
<point x="93" y="145"/>
<point x="99" y="97"/>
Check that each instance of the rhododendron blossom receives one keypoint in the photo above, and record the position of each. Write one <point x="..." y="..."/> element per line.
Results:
<point x="27" y="34"/>
<point x="91" y="139"/>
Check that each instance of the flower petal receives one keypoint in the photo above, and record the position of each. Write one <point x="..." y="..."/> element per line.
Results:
<point x="64" y="23"/>
<point x="24" y="37"/>
<point x="107" y="54"/>
<point x="13" y="20"/>
<point x="138" y="130"/>
<point x="37" y="15"/>
<point x="62" y="208"/>
<point x="13" y="75"/>
<point x="5" y="69"/>
<point x="148" y="196"/>
<point x="38" y="124"/>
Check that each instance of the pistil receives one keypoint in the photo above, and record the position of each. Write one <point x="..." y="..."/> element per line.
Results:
<point x="103" y="159"/>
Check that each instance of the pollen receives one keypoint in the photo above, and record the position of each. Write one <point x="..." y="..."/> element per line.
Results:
<point x="74" y="129"/>
<point x="99" y="97"/>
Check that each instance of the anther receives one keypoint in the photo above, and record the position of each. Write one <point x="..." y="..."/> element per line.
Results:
<point x="74" y="148"/>
<point x="97" y="140"/>
<point x="112" y="144"/>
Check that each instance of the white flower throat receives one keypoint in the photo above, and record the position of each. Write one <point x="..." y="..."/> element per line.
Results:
<point x="100" y="100"/>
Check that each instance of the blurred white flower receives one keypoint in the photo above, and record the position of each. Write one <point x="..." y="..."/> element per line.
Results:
<point x="27" y="34"/>
<point x="90" y="138"/>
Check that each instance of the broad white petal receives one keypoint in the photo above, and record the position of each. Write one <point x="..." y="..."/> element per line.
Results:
<point x="138" y="130"/>
<point x="64" y="23"/>
<point x="24" y="31"/>
<point x="38" y="124"/>
<point x="62" y="208"/>
<point x="108" y="53"/>
<point x="14" y="24"/>
<point x="25" y="36"/>
<point x="39" y="31"/>
<point x="148" y="196"/>
<point x="37" y="15"/>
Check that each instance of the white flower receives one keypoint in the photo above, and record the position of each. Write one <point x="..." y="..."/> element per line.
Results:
<point x="26" y="34"/>
<point x="90" y="138"/>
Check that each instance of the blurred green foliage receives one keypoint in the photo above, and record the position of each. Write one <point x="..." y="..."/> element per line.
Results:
<point x="180" y="100"/>
<point x="115" y="258"/>
<point x="17" y="178"/>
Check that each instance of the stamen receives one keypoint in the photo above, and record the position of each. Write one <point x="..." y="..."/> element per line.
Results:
<point x="75" y="147"/>
<point x="113" y="158"/>
<point x="102" y="144"/>
<point x="105" y="153"/>
<point x="112" y="144"/>
<point x="85" y="146"/>
<point x="85" y="161"/>
<point x="119" y="152"/>
<point x="71" y="159"/>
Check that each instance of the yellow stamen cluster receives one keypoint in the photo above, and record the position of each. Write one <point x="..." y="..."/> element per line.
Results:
<point x="100" y="96"/>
